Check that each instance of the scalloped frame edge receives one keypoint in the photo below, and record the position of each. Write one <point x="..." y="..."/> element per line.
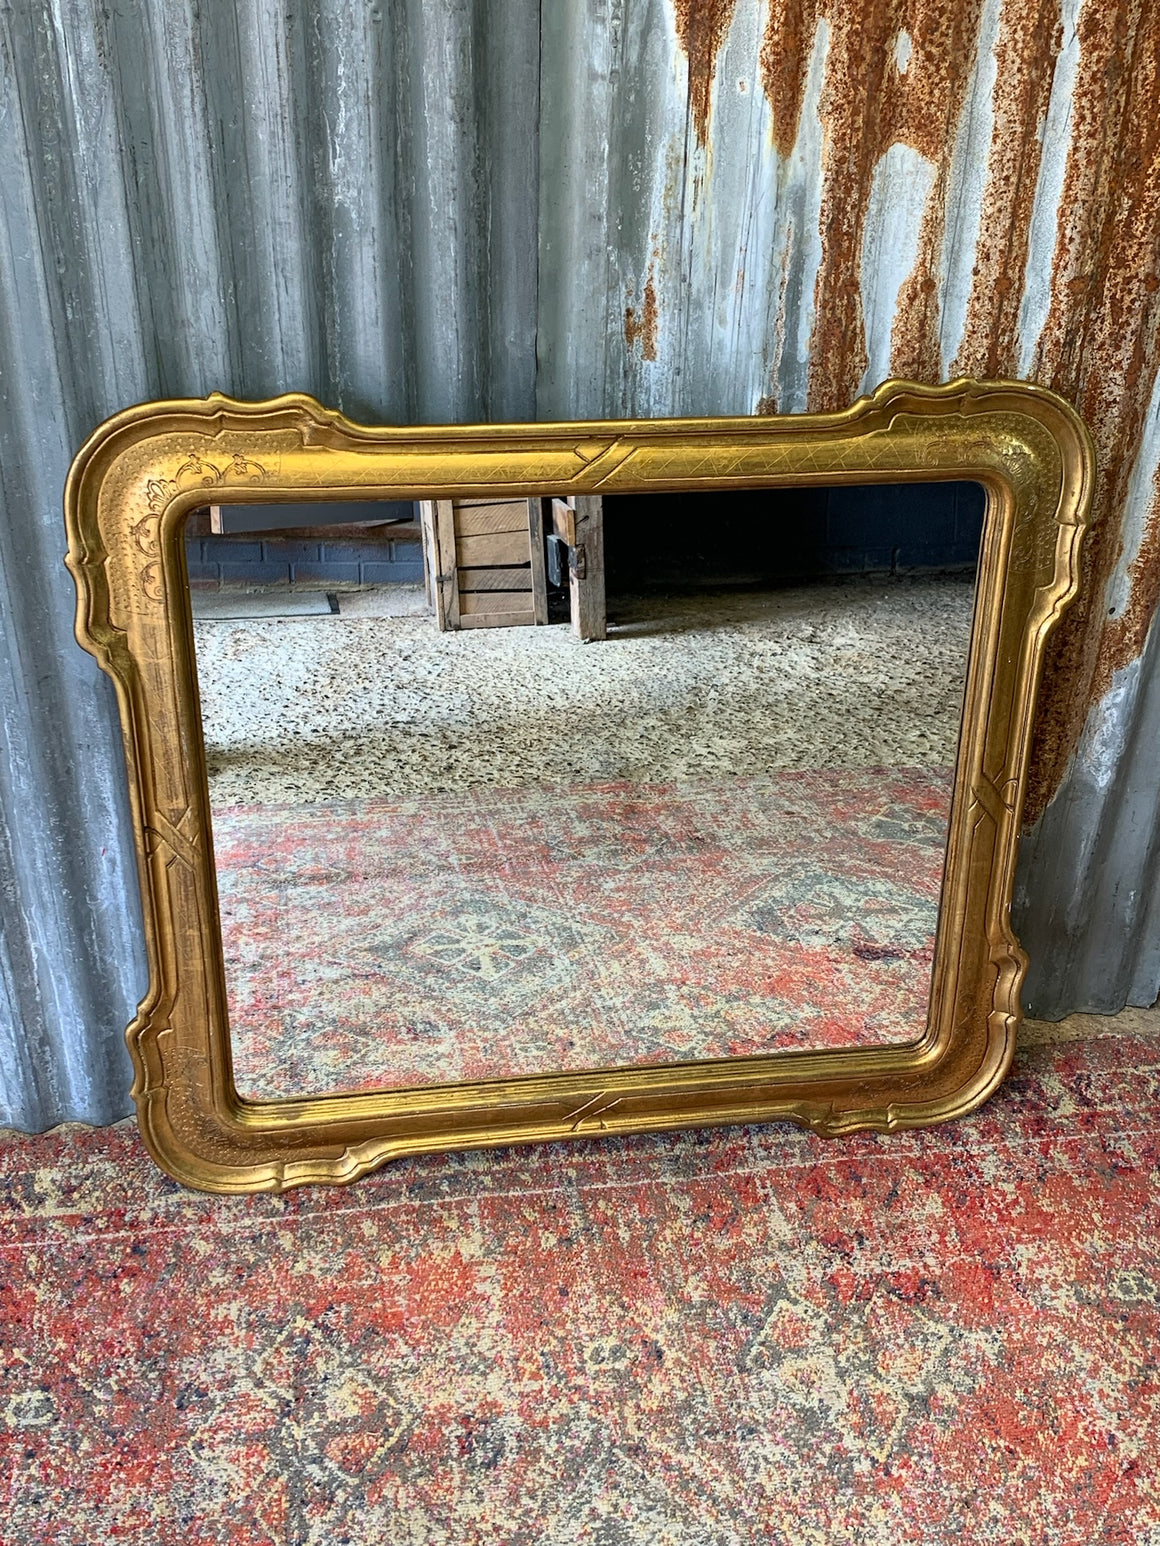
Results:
<point x="139" y="475"/>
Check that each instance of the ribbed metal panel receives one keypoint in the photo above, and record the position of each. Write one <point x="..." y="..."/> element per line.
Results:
<point x="450" y="211"/>
<point x="254" y="197"/>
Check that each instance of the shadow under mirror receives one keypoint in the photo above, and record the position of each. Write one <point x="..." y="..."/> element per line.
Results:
<point x="504" y="787"/>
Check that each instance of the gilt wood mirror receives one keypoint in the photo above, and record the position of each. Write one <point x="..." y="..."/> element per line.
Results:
<point x="501" y="885"/>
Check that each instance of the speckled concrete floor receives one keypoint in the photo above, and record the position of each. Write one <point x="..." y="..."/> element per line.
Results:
<point x="857" y="674"/>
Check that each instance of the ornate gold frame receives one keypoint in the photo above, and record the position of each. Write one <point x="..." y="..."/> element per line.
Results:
<point x="128" y="494"/>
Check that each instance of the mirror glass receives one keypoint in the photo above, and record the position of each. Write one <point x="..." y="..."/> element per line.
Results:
<point x="506" y="787"/>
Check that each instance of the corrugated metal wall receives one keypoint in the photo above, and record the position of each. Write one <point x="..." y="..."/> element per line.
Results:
<point x="448" y="211"/>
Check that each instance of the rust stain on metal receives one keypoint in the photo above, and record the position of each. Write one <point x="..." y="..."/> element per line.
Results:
<point x="1100" y="346"/>
<point x="785" y="50"/>
<point x="1101" y="343"/>
<point x="1101" y="349"/>
<point x="1030" y="35"/>
<point x="701" y="28"/>
<point x="642" y="329"/>
<point x="868" y="104"/>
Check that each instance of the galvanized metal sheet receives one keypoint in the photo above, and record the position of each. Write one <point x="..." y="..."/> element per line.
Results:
<point x="453" y="210"/>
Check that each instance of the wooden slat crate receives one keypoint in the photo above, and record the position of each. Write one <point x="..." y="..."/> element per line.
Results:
<point x="579" y="523"/>
<point x="485" y="562"/>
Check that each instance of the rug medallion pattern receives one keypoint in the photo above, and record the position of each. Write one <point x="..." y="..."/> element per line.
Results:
<point x="510" y="931"/>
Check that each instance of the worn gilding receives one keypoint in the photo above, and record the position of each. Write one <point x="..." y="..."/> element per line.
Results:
<point x="129" y="492"/>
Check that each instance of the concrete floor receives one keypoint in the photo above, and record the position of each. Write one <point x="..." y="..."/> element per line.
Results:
<point x="1129" y="1022"/>
<point x="343" y="706"/>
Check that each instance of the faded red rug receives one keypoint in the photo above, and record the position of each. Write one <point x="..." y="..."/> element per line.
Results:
<point x="507" y="931"/>
<point x="701" y="1339"/>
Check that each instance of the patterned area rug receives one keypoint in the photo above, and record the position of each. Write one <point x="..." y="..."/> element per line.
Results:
<point x="712" y="1339"/>
<point x="508" y="931"/>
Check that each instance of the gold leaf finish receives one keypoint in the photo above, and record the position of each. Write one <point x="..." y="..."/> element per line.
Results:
<point x="128" y="494"/>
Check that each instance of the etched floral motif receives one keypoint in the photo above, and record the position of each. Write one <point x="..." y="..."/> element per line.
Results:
<point x="194" y="472"/>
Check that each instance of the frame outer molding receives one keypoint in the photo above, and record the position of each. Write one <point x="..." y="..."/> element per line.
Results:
<point x="139" y="475"/>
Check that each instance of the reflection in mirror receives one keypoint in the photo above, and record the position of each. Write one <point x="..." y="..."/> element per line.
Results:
<point x="513" y="786"/>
